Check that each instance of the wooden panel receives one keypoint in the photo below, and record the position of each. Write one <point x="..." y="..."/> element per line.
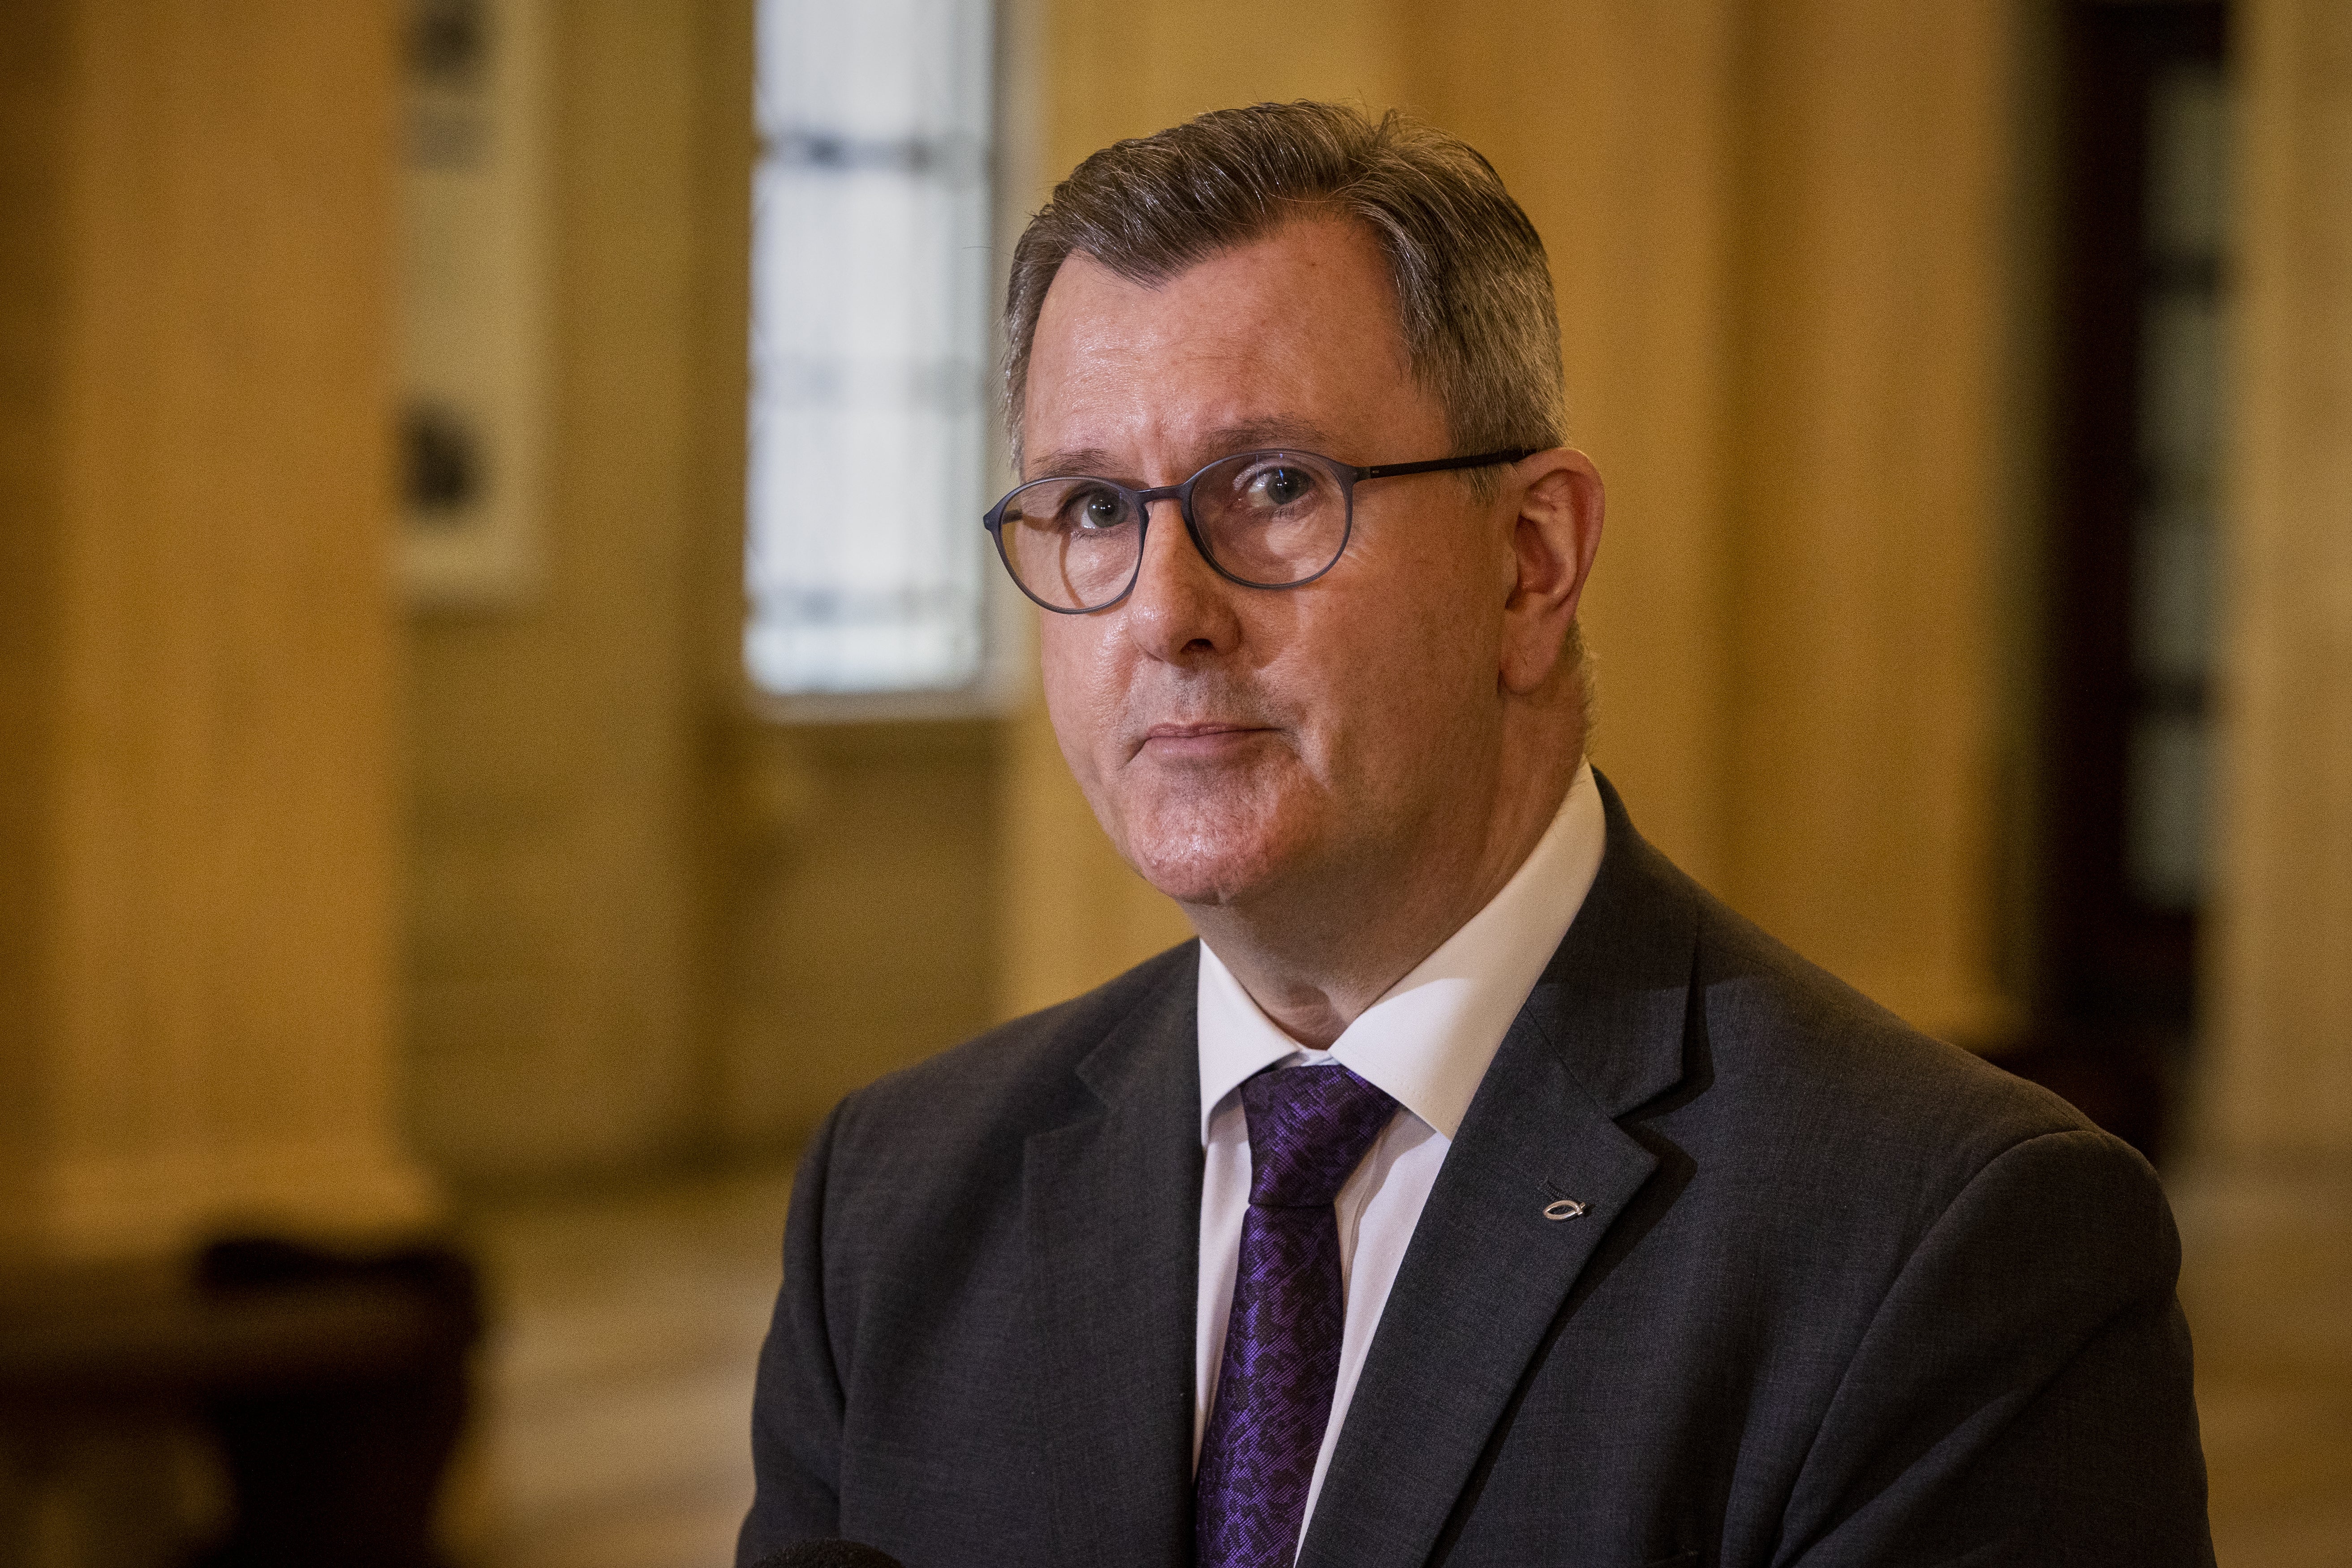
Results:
<point x="2281" y="1013"/>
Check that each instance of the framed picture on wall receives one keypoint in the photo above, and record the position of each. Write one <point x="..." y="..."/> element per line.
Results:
<point x="472" y="285"/>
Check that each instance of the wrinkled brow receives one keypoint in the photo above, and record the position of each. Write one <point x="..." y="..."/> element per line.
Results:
<point x="1252" y="435"/>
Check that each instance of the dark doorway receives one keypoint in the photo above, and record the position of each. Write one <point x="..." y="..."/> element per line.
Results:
<point x="2142" y="287"/>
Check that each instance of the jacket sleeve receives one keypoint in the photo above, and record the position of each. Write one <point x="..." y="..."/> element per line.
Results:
<point x="2022" y="1395"/>
<point x="796" y="1407"/>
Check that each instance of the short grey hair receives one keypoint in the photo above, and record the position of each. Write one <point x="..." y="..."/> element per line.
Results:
<point x="1474" y="291"/>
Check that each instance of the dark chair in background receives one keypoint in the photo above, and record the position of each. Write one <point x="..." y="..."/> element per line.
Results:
<point x="331" y="1386"/>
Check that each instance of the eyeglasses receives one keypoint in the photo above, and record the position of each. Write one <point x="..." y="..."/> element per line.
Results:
<point x="1263" y="520"/>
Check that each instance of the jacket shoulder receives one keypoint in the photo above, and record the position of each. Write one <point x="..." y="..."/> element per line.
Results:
<point x="1842" y="1105"/>
<point x="1772" y="1013"/>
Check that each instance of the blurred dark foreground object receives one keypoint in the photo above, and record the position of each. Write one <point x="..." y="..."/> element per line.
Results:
<point x="332" y="1385"/>
<point x="829" y="1555"/>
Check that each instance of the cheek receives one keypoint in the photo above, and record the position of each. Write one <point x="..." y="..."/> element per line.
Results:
<point x="1076" y="665"/>
<point x="1401" y="667"/>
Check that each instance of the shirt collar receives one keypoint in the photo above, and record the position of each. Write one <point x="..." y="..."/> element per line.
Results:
<point x="1427" y="1042"/>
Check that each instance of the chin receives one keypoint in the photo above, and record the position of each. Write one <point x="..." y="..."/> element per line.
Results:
<point x="1212" y="857"/>
<point x="1202" y="881"/>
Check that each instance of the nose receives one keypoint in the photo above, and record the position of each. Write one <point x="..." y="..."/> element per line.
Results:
<point x="1179" y="609"/>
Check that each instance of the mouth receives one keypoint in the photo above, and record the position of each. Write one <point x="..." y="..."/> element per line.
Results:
<point x="1204" y="739"/>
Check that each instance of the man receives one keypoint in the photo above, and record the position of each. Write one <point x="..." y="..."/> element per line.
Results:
<point x="1477" y="1189"/>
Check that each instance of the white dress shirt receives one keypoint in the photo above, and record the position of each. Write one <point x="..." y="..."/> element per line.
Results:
<point x="1426" y="1042"/>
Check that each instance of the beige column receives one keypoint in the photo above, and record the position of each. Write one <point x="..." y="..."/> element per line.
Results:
<point x="2280" y="1018"/>
<point x="1612" y="124"/>
<point x="1775" y="231"/>
<point x="196" y="706"/>
<point x="1864" y="479"/>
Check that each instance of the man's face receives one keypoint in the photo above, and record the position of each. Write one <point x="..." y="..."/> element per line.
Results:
<point x="1238" y="740"/>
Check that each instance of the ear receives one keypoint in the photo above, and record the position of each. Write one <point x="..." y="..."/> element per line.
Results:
<point x="1554" y="538"/>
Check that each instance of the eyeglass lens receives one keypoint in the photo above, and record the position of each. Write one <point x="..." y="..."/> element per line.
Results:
<point x="1269" y="518"/>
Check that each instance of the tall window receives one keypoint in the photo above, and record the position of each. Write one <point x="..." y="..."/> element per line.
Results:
<point x="870" y="274"/>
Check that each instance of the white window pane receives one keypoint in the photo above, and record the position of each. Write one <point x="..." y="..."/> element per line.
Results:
<point x="869" y="280"/>
<point x="2164" y="849"/>
<point x="2172" y="595"/>
<point x="2189" y="167"/>
<point x="2181" y="359"/>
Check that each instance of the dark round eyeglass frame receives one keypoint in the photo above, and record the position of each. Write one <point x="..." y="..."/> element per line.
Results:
<point x="1348" y="475"/>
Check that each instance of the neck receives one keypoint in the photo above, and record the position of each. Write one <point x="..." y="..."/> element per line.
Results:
<point x="1316" y="954"/>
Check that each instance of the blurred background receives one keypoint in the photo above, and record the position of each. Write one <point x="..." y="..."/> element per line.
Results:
<point x="469" y="804"/>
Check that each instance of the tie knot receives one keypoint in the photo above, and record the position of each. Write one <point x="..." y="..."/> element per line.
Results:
<point x="1307" y="1128"/>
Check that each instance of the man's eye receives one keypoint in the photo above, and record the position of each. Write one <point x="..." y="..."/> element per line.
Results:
<point x="1094" y="510"/>
<point x="1281" y="487"/>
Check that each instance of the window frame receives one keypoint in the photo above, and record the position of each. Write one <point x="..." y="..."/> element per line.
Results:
<point x="1003" y="678"/>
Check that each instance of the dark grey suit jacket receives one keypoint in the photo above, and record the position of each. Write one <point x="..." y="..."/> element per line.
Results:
<point x="1841" y="1295"/>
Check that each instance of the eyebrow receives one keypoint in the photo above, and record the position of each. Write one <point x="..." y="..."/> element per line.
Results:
<point x="1250" y="435"/>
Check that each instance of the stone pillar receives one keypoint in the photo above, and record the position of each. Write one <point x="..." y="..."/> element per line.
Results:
<point x="1614" y="124"/>
<point x="197" y="762"/>
<point x="1776" y="232"/>
<point x="1863" y="497"/>
<point x="2280" y="962"/>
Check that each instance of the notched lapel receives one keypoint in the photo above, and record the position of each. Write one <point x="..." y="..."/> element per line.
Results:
<point x="1487" y="1273"/>
<point x="1485" y="1276"/>
<point x="1110" y="1211"/>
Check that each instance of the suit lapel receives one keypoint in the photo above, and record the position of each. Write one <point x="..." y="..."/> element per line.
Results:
<point x="1110" y="1210"/>
<point x="1486" y="1273"/>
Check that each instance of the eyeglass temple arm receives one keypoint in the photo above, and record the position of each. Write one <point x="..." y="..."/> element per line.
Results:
<point x="1437" y="465"/>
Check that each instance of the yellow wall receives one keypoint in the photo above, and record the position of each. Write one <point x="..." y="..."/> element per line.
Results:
<point x="551" y="1016"/>
<point x="1779" y="238"/>
<point x="648" y="924"/>
<point x="2280" y="1002"/>
<point x="197" y="765"/>
<point x="642" y="924"/>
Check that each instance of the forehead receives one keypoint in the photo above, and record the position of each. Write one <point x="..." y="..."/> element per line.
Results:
<point x="1295" y="335"/>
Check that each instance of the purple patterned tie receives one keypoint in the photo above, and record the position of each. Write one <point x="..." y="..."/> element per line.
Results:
<point x="1308" y="1128"/>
